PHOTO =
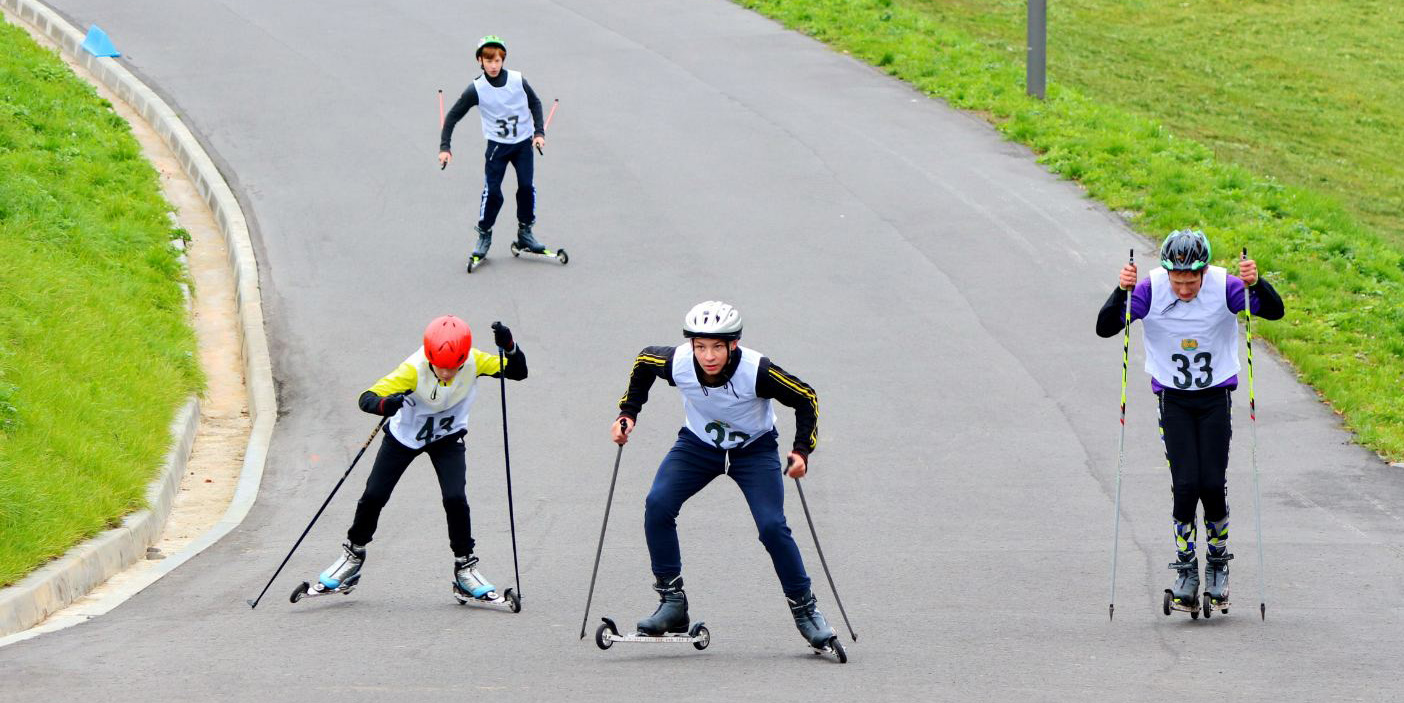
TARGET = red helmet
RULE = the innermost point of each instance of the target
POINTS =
(447, 341)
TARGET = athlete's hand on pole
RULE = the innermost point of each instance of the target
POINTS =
(1248, 271)
(620, 429)
(798, 466)
(538, 141)
(444, 159)
(502, 337)
(1128, 277)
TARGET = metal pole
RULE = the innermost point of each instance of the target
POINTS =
(1120, 445)
(1036, 78)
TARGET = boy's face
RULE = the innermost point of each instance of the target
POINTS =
(444, 375)
(1186, 284)
(711, 354)
(492, 65)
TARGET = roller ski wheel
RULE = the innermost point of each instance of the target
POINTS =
(1209, 605)
(557, 254)
(507, 600)
(608, 633)
(314, 590)
(834, 647)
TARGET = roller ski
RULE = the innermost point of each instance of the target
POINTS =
(480, 252)
(814, 628)
(1184, 595)
(667, 625)
(469, 586)
(341, 577)
(527, 244)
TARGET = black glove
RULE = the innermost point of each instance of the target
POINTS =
(502, 337)
(391, 404)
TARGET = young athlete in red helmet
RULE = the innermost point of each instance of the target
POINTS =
(427, 398)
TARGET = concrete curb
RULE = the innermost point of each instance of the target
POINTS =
(57, 584)
(258, 373)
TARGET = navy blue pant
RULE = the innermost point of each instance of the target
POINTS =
(689, 466)
(495, 162)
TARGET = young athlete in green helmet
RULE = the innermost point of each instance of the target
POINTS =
(512, 125)
(1188, 311)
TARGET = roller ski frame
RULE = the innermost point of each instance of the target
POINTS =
(697, 635)
(474, 262)
(506, 600)
(557, 254)
(309, 590)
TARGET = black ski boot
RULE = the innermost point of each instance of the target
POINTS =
(671, 615)
(812, 626)
(526, 242)
(484, 243)
(1184, 595)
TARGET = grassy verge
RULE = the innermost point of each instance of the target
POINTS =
(1343, 281)
(96, 352)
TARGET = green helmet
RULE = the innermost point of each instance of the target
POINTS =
(490, 40)
(1185, 250)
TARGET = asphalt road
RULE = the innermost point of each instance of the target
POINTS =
(930, 280)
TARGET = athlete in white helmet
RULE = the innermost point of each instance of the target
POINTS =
(512, 125)
(1188, 311)
(729, 427)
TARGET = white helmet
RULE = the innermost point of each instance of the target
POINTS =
(713, 319)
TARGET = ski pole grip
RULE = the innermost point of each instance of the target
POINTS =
(1132, 256)
(1245, 252)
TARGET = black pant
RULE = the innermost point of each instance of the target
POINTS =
(1196, 427)
(495, 161)
(447, 454)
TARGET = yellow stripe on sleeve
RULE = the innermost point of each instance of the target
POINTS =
(403, 378)
(486, 364)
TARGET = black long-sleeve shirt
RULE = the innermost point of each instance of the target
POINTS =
(772, 382)
(469, 98)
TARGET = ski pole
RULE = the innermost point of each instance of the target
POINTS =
(444, 165)
(1253, 425)
(253, 602)
(822, 561)
(598, 550)
(507, 460)
(1120, 446)
(546, 126)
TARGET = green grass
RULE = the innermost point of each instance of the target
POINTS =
(96, 352)
(1272, 125)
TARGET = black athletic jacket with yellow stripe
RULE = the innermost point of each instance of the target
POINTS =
(772, 382)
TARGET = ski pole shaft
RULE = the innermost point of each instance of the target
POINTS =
(1120, 445)
(824, 562)
(253, 603)
(600, 549)
(554, 104)
(1253, 433)
(507, 462)
(442, 165)
(549, 115)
